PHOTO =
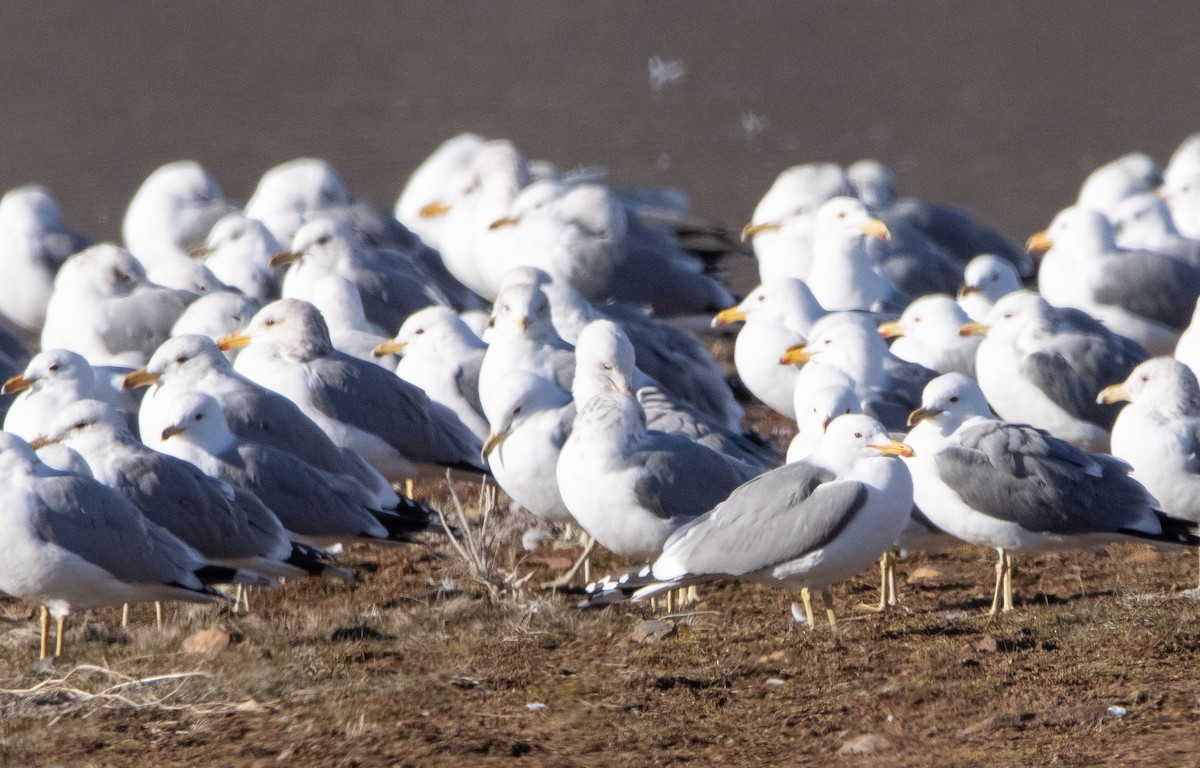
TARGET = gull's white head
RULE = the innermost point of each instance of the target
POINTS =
(103, 270)
(286, 328)
(844, 222)
(989, 276)
(933, 319)
(522, 311)
(431, 331)
(1012, 316)
(604, 361)
(825, 405)
(291, 192)
(53, 368)
(196, 418)
(1108, 185)
(187, 355)
(1078, 232)
(86, 425)
(216, 314)
(1162, 384)
(853, 437)
(519, 396)
(873, 183)
(1143, 221)
(948, 401)
(172, 212)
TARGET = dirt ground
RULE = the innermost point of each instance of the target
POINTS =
(417, 663)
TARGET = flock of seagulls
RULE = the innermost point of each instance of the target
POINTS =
(234, 391)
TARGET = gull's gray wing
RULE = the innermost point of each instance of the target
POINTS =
(663, 414)
(1077, 366)
(1023, 475)
(142, 321)
(1151, 285)
(679, 479)
(392, 286)
(103, 527)
(378, 401)
(466, 378)
(780, 516)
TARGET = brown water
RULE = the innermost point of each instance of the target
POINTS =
(1001, 107)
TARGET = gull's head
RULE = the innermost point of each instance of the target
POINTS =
(847, 220)
(303, 185)
(197, 418)
(52, 368)
(186, 355)
(237, 233)
(794, 197)
(1131, 174)
(498, 173)
(17, 457)
(522, 311)
(852, 437)
(786, 301)
(950, 399)
(847, 341)
(1011, 316)
(216, 314)
(84, 423)
(1162, 383)
(604, 360)
(825, 405)
(1142, 221)
(874, 183)
(29, 211)
(934, 318)
(323, 240)
(1078, 231)
(289, 327)
(989, 276)
(103, 270)
(518, 396)
(173, 210)
(429, 331)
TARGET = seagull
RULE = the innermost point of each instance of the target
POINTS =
(216, 314)
(193, 363)
(927, 334)
(985, 280)
(522, 337)
(843, 275)
(604, 359)
(231, 529)
(1181, 187)
(1110, 184)
(778, 315)
(393, 425)
(653, 482)
(238, 252)
(443, 356)
(446, 170)
(338, 301)
(806, 525)
(288, 194)
(1158, 433)
(847, 350)
(1043, 366)
(72, 543)
(33, 244)
(106, 309)
(677, 360)
(391, 284)
(825, 405)
(1143, 223)
(1013, 487)
(1142, 295)
(171, 213)
(55, 379)
(781, 228)
(312, 510)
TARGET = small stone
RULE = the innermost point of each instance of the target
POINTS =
(987, 645)
(925, 573)
(865, 745)
(773, 681)
(1144, 555)
(775, 657)
(208, 641)
(652, 630)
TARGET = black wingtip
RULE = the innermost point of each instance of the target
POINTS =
(317, 562)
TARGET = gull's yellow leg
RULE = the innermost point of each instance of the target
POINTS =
(1008, 571)
(58, 639)
(806, 599)
(827, 599)
(892, 599)
(584, 562)
(124, 615)
(158, 614)
(693, 596)
(45, 630)
(996, 595)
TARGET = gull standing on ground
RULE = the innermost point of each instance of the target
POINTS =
(230, 529)
(390, 423)
(653, 482)
(1142, 295)
(1158, 433)
(843, 274)
(803, 526)
(33, 245)
(1016, 488)
(72, 543)
(1043, 366)
(106, 309)
(440, 354)
(986, 279)
(522, 337)
(254, 413)
(778, 315)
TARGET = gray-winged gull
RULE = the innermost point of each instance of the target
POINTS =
(440, 354)
(216, 314)
(803, 526)
(53, 380)
(1158, 433)
(927, 333)
(825, 405)
(653, 482)
(1128, 175)
(238, 252)
(844, 275)
(72, 543)
(1015, 488)
(1143, 222)
(1142, 295)
(1043, 366)
(522, 337)
(392, 424)
(106, 309)
(254, 413)
(228, 528)
(444, 172)
(778, 315)
(985, 280)
(781, 228)
(309, 507)
(33, 245)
